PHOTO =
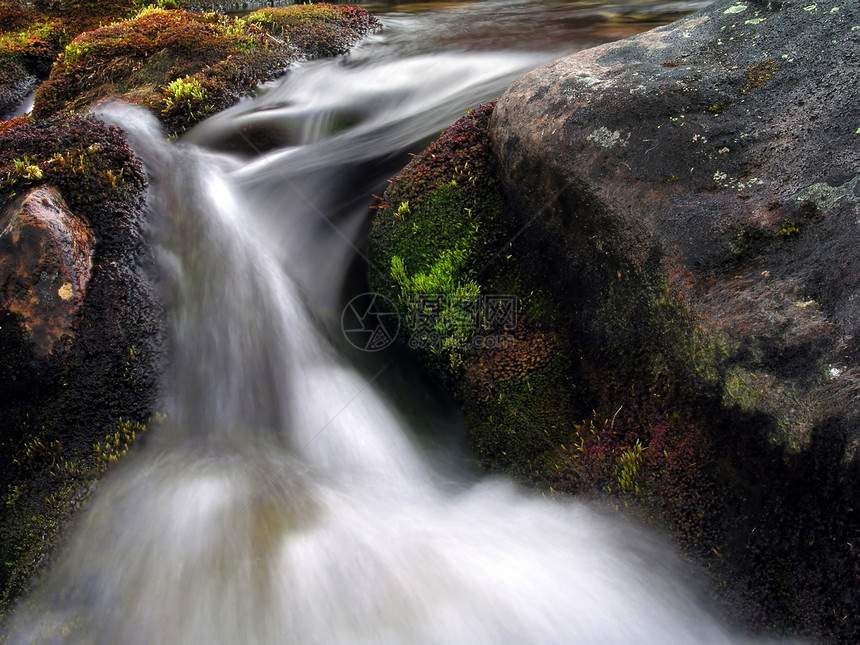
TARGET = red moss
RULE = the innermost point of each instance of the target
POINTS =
(463, 144)
(14, 15)
(17, 122)
(524, 351)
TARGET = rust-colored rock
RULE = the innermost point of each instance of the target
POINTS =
(45, 264)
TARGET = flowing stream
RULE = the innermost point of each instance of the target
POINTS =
(290, 497)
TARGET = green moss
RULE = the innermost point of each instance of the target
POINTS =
(186, 95)
(439, 297)
(629, 468)
(517, 400)
(445, 225)
(75, 50)
(150, 7)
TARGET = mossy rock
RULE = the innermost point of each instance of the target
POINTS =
(442, 248)
(435, 224)
(33, 34)
(441, 229)
(103, 382)
(186, 66)
(181, 65)
(611, 386)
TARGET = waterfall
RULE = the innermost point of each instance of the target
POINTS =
(286, 499)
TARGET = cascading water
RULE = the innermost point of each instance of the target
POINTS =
(285, 500)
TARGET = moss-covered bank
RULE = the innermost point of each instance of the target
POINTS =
(183, 66)
(33, 34)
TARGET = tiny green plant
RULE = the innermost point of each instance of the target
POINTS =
(26, 169)
(73, 51)
(115, 446)
(629, 464)
(183, 90)
(789, 228)
(159, 5)
(402, 211)
(36, 449)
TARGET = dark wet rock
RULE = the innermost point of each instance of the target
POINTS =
(45, 265)
(720, 152)
(15, 84)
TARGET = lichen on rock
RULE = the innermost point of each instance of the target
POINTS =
(705, 260)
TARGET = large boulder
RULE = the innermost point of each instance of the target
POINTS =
(695, 192)
(721, 152)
